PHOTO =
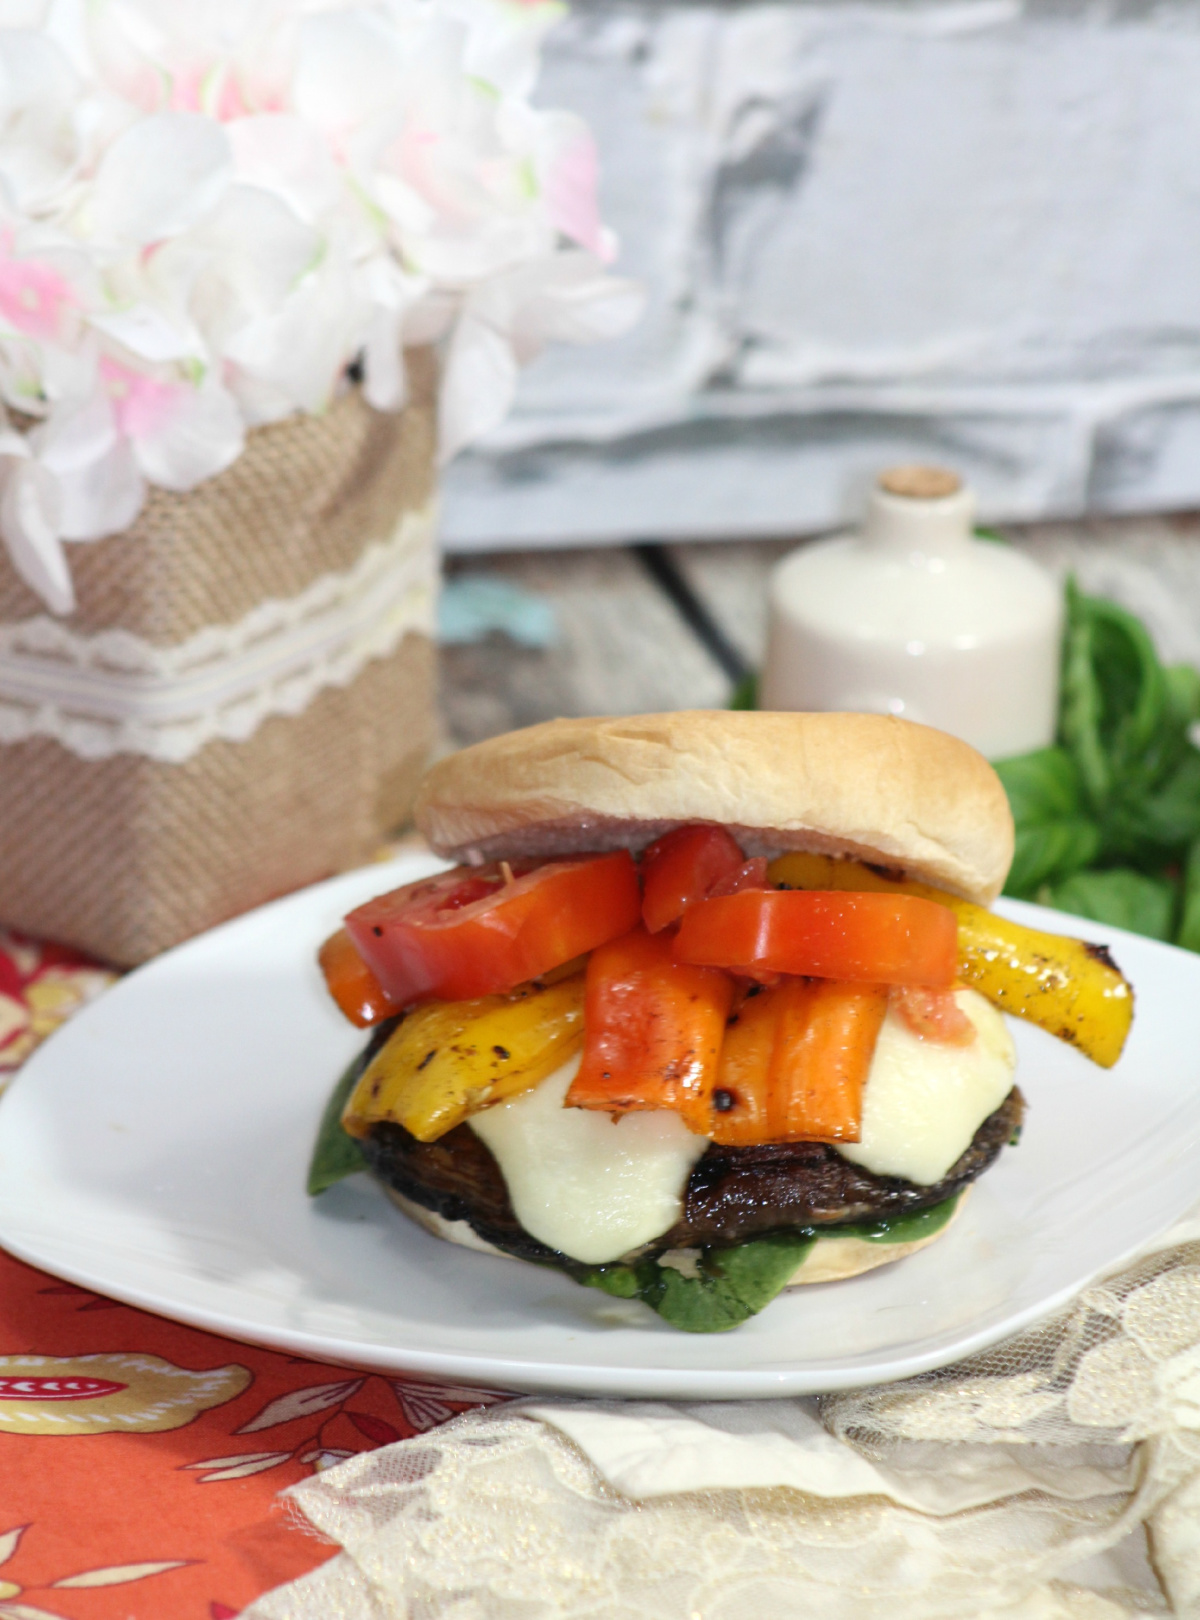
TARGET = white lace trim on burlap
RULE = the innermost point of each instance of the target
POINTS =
(116, 693)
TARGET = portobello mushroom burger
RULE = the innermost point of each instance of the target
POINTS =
(711, 1005)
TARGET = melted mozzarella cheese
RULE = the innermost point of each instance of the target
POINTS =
(924, 1100)
(583, 1183)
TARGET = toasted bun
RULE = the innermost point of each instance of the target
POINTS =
(864, 785)
(832, 1259)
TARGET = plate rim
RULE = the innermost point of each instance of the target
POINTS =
(520, 1374)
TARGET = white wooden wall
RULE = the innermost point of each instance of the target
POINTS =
(967, 231)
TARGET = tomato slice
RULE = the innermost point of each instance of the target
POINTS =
(752, 874)
(682, 867)
(934, 1015)
(652, 1028)
(351, 983)
(481, 931)
(793, 1066)
(865, 938)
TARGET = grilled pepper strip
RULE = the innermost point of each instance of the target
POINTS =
(447, 1060)
(793, 1066)
(653, 1027)
(351, 983)
(864, 938)
(1070, 989)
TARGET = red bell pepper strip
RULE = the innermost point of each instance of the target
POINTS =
(652, 1028)
(864, 938)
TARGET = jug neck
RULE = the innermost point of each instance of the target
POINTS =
(934, 525)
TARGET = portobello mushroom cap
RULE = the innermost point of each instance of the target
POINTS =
(733, 1193)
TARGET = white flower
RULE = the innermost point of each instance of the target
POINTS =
(508, 320)
(40, 96)
(210, 208)
(30, 523)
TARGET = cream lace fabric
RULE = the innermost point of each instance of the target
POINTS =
(1055, 1477)
(117, 693)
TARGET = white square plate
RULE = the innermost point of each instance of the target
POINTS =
(156, 1148)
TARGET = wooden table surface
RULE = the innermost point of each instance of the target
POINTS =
(624, 648)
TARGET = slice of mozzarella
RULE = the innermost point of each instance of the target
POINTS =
(595, 1188)
(589, 1185)
(924, 1100)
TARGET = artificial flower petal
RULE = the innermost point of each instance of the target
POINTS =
(209, 211)
(192, 434)
(478, 383)
(39, 97)
(160, 176)
(30, 514)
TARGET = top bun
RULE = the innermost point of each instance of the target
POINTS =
(863, 785)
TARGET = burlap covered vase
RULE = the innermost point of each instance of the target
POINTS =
(242, 701)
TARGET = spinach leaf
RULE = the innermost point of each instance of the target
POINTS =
(922, 1223)
(729, 1287)
(1054, 837)
(1121, 897)
(335, 1155)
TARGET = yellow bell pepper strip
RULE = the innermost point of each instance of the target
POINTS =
(448, 1059)
(1069, 988)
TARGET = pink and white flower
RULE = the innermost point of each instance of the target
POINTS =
(209, 210)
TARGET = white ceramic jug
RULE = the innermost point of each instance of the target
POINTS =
(915, 616)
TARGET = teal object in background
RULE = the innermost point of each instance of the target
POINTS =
(472, 606)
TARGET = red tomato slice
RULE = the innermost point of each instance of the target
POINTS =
(351, 983)
(652, 1028)
(865, 938)
(751, 875)
(934, 1015)
(479, 931)
(682, 867)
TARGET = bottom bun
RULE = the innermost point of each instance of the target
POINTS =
(831, 1259)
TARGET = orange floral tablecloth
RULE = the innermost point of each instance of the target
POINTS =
(140, 1461)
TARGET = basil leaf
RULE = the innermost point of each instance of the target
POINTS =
(1114, 697)
(1120, 897)
(745, 693)
(730, 1285)
(1183, 694)
(1081, 703)
(1053, 836)
(1161, 821)
(1189, 923)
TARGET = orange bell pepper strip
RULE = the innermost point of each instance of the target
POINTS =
(865, 938)
(652, 1027)
(793, 1066)
(351, 983)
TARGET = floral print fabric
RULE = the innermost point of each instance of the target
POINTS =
(140, 1461)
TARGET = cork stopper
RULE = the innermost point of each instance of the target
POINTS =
(917, 483)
